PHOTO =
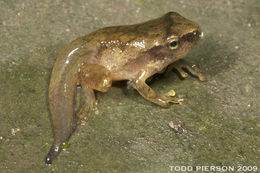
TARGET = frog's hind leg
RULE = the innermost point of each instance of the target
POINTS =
(182, 65)
(92, 77)
(96, 77)
(87, 100)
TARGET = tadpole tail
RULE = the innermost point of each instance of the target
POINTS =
(62, 91)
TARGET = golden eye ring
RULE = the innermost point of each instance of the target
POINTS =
(173, 43)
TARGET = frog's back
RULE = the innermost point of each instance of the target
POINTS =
(120, 46)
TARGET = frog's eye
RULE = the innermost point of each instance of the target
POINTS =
(173, 43)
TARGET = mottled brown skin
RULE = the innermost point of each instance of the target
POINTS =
(131, 52)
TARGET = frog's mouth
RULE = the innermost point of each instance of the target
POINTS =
(193, 36)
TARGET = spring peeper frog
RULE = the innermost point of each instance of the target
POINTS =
(131, 52)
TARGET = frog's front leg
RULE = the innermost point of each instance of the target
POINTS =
(148, 93)
(182, 65)
(92, 77)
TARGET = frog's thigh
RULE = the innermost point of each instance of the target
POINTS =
(91, 77)
(87, 100)
(95, 76)
(149, 94)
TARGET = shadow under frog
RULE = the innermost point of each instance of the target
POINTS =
(131, 52)
(216, 57)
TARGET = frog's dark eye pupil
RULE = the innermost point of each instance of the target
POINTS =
(173, 44)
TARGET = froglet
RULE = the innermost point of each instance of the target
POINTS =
(131, 52)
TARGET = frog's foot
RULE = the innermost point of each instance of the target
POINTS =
(164, 100)
(182, 65)
(175, 100)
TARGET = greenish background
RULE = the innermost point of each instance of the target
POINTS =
(221, 120)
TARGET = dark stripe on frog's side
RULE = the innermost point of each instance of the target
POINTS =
(191, 37)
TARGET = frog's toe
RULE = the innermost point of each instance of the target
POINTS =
(177, 100)
(201, 77)
(182, 73)
(166, 100)
(195, 72)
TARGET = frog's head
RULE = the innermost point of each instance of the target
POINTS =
(181, 34)
(173, 36)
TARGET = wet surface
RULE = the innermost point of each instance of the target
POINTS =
(126, 133)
